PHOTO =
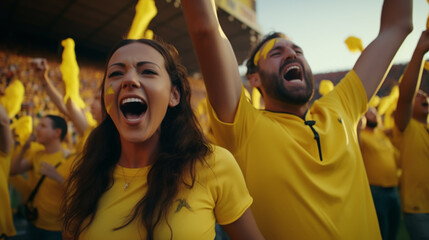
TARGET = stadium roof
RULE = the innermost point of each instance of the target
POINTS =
(96, 25)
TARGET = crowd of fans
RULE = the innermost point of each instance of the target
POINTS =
(48, 129)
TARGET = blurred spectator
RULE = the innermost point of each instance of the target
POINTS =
(6, 144)
(380, 158)
(411, 131)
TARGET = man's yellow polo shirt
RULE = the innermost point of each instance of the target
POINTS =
(297, 195)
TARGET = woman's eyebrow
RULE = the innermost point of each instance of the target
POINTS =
(117, 64)
(139, 64)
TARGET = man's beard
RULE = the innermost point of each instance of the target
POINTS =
(371, 124)
(273, 86)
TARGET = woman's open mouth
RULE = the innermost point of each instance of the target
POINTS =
(133, 108)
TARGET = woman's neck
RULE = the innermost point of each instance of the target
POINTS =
(140, 154)
(422, 118)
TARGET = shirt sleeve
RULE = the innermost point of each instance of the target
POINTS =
(351, 96)
(232, 196)
(30, 155)
(234, 135)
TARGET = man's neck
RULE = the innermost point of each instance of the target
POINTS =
(282, 107)
(53, 147)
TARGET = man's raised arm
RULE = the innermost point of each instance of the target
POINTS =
(410, 83)
(375, 61)
(216, 57)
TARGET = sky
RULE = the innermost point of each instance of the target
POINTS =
(321, 26)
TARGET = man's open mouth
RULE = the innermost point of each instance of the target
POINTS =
(293, 73)
(133, 108)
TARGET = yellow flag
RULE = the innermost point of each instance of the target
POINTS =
(389, 101)
(354, 44)
(387, 106)
(145, 12)
(13, 98)
(23, 128)
(389, 121)
(374, 101)
(148, 34)
(325, 86)
(70, 73)
(91, 121)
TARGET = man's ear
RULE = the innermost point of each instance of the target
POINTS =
(174, 97)
(254, 80)
(58, 132)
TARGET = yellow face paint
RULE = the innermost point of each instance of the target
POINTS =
(256, 58)
(268, 46)
(108, 108)
(110, 90)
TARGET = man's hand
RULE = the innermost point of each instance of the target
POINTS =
(41, 67)
(51, 172)
(27, 144)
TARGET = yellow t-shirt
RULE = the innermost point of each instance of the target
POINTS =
(379, 156)
(49, 196)
(414, 160)
(219, 194)
(296, 194)
(6, 222)
(24, 184)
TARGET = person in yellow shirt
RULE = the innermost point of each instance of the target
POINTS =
(381, 164)
(302, 163)
(6, 148)
(412, 135)
(76, 115)
(50, 132)
(147, 172)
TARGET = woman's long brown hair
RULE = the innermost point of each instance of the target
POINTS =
(182, 144)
